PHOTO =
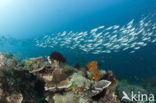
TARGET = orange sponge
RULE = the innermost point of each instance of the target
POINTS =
(95, 73)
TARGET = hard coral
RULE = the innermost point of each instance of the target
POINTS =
(59, 80)
(111, 77)
(79, 81)
(95, 73)
(98, 87)
(103, 91)
(57, 56)
(64, 84)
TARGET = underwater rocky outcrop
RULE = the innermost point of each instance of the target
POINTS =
(40, 80)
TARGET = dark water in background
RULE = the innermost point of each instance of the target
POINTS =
(121, 37)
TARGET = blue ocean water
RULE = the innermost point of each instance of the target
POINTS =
(120, 34)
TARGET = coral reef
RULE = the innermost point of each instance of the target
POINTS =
(38, 80)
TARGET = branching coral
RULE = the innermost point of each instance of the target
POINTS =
(95, 73)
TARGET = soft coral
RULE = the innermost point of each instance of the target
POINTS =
(95, 73)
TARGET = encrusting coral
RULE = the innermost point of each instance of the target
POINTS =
(95, 73)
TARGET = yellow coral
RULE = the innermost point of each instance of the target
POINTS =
(95, 73)
(92, 66)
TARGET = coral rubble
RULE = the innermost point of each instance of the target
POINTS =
(39, 80)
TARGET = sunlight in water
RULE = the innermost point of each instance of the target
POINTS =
(4, 3)
(1, 1)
